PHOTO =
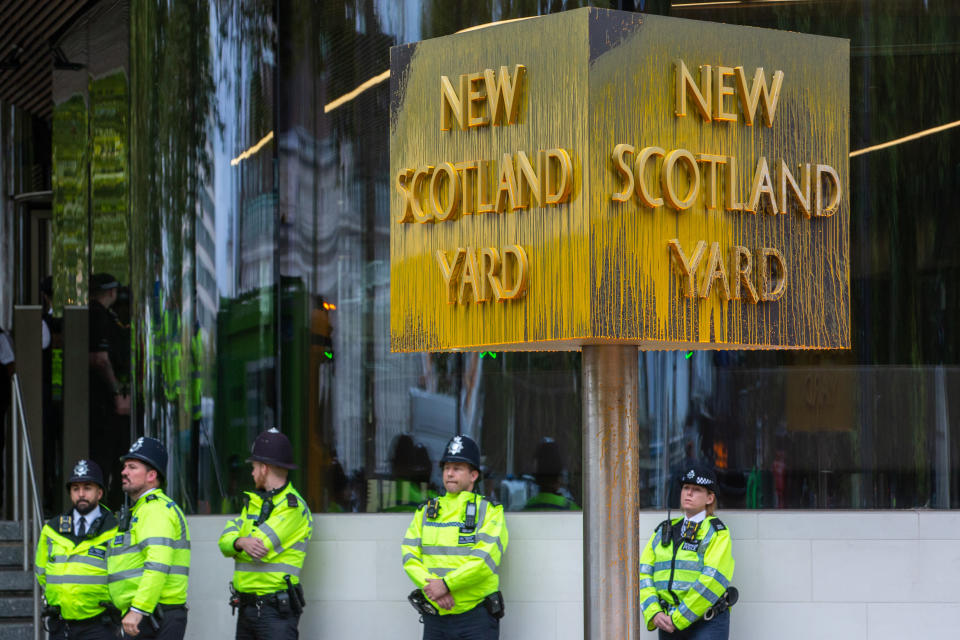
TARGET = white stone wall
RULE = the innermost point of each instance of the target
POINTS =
(802, 575)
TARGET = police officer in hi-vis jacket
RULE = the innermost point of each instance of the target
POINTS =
(268, 543)
(149, 558)
(452, 552)
(687, 567)
(71, 561)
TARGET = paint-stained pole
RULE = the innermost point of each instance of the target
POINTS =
(611, 442)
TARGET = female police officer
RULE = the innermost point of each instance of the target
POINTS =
(687, 566)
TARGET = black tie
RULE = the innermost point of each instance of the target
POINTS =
(82, 529)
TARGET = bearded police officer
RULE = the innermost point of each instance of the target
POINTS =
(71, 561)
(268, 543)
(149, 558)
(687, 566)
(452, 551)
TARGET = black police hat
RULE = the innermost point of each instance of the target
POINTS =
(149, 450)
(700, 475)
(272, 447)
(86, 471)
(461, 449)
(103, 282)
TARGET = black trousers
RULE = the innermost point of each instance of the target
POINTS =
(173, 627)
(476, 624)
(96, 629)
(266, 623)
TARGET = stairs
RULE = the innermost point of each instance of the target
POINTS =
(16, 586)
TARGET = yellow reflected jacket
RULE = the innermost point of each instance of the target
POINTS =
(284, 527)
(688, 576)
(149, 564)
(73, 572)
(466, 559)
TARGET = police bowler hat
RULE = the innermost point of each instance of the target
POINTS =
(86, 471)
(149, 450)
(461, 449)
(700, 475)
(273, 448)
(103, 282)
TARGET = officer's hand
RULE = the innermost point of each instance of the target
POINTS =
(253, 546)
(663, 621)
(445, 602)
(131, 623)
(436, 589)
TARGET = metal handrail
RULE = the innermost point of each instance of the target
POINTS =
(31, 531)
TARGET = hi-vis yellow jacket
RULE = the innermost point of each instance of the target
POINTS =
(150, 563)
(466, 559)
(688, 576)
(284, 530)
(72, 573)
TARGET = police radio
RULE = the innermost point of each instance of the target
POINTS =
(470, 520)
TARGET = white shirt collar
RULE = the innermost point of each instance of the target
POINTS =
(90, 517)
(700, 517)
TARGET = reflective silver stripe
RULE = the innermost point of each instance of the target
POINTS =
(646, 583)
(706, 593)
(682, 565)
(56, 559)
(427, 523)
(93, 561)
(126, 574)
(433, 550)
(712, 572)
(268, 531)
(411, 542)
(101, 579)
(298, 546)
(483, 512)
(178, 570)
(146, 542)
(646, 569)
(686, 613)
(461, 551)
(408, 556)
(652, 600)
(491, 540)
(230, 529)
(156, 566)
(268, 567)
(440, 571)
(681, 585)
(39, 570)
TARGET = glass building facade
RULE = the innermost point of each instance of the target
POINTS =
(235, 174)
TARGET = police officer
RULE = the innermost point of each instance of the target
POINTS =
(268, 543)
(553, 496)
(71, 561)
(149, 558)
(452, 551)
(687, 566)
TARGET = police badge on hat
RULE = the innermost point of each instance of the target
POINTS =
(456, 446)
(81, 468)
(136, 445)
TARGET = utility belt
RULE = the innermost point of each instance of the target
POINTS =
(493, 604)
(727, 600)
(52, 620)
(288, 601)
(160, 613)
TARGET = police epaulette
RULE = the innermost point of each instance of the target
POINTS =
(717, 525)
(292, 500)
(150, 497)
(493, 501)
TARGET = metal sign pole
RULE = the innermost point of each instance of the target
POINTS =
(611, 475)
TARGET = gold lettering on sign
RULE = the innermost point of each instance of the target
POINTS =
(485, 275)
(482, 98)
